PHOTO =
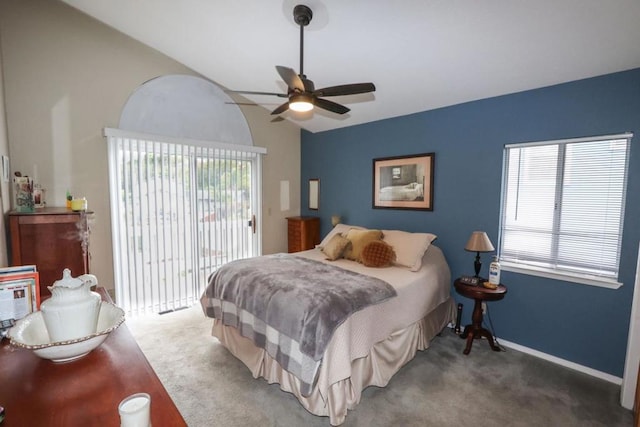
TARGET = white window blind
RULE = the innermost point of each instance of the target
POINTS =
(179, 209)
(563, 206)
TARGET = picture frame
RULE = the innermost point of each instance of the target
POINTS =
(314, 193)
(404, 182)
(38, 196)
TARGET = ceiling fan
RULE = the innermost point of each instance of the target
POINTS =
(301, 93)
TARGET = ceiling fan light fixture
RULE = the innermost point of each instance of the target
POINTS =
(301, 103)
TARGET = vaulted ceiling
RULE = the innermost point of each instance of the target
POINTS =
(420, 54)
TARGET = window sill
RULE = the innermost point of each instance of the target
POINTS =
(567, 277)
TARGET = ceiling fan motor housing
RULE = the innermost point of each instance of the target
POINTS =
(302, 15)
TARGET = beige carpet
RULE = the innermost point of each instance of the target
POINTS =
(440, 387)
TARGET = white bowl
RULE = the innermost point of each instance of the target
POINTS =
(30, 332)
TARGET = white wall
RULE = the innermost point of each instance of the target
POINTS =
(5, 196)
(67, 77)
(282, 163)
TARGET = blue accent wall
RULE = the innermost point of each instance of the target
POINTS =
(584, 324)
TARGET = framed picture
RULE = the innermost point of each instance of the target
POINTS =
(314, 193)
(403, 182)
(38, 196)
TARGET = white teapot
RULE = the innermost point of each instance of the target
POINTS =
(73, 309)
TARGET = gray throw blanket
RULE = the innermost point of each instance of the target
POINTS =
(290, 306)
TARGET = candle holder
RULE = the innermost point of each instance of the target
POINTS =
(135, 410)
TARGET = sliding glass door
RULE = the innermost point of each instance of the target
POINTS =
(179, 210)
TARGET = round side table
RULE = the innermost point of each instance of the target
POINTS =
(479, 294)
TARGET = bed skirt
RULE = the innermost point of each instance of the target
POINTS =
(334, 400)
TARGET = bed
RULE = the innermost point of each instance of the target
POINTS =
(370, 345)
(412, 191)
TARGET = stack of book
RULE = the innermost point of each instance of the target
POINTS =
(19, 294)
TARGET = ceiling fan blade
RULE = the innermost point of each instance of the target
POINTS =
(308, 84)
(281, 109)
(331, 106)
(253, 92)
(251, 104)
(350, 89)
(290, 78)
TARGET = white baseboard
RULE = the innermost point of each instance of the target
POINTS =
(566, 363)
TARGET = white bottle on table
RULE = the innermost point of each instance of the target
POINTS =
(494, 271)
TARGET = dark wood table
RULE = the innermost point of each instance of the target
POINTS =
(84, 392)
(479, 294)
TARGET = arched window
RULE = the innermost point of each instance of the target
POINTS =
(180, 206)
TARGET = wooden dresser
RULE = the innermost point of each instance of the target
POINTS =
(303, 232)
(83, 392)
(49, 239)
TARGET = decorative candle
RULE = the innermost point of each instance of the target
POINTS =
(135, 411)
(79, 204)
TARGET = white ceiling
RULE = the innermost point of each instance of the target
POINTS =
(420, 54)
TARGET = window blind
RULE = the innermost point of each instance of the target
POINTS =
(179, 209)
(563, 205)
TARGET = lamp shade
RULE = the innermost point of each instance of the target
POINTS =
(479, 242)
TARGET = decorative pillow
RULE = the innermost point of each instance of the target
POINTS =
(359, 239)
(336, 246)
(409, 247)
(338, 229)
(377, 254)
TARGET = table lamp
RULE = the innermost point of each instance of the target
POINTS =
(478, 242)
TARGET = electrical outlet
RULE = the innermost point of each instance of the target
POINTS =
(484, 308)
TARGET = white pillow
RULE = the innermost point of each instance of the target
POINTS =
(409, 247)
(338, 229)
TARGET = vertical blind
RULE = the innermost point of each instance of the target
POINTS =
(179, 209)
(563, 204)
